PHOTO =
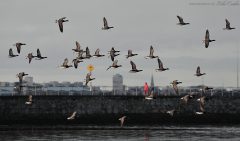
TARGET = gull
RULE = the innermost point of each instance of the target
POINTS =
(76, 61)
(172, 112)
(39, 57)
(30, 56)
(181, 21)
(11, 53)
(64, 66)
(134, 69)
(114, 65)
(96, 55)
(151, 94)
(73, 116)
(160, 64)
(130, 54)
(186, 97)
(77, 50)
(60, 23)
(30, 101)
(122, 120)
(18, 45)
(151, 54)
(198, 72)
(105, 24)
(207, 40)
(228, 26)
(19, 88)
(88, 78)
(174, 83)
(20, 76)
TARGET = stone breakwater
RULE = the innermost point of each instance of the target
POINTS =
(102, 110)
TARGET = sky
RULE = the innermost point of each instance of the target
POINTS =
(138, 24)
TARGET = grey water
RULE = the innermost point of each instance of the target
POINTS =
(152, 133)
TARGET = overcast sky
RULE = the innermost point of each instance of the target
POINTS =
(138, 24)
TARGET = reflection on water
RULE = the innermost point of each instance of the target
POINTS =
(168, 133)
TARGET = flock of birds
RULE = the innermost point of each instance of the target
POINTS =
(112, 55)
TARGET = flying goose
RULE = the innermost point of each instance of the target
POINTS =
(39, 57)
(114, 65)
(20, 76)
(181, 21)
(174, 83)
(207, 40)
(76, 61)
(18, 45)
(105, 24)
(151, 54)
(122, 120)
(60, 23)
(198, 73)
(151, 94)
(30, 101)
(187, 97)
(11, 53)
(172, 112)
(112, 50)
(112, 55)
(88, 78)
(19, 88)
(77, 50)
(201, 105)
(228, 26)
(97, 54)
(160, 64)
(80, 57)
(88, 56)
(204, 90)
(130, 54)
(64, 66)
(73, 116)
(134, 69)
(30, 56)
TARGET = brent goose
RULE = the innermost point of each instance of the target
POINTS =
(160, 64)
(11, 53)
(201, 105)
(151, 54)
(130, 54)
(18, 45)
(181, 21)
(97, 54)
(174, 83)
(228, 26)
(76, 61)
(172, 112)
(39, 57)
(77, 50)
(19, 88)
(105, 24)
(112, 55)
(207, 40)
(88, 56)
(60, 23)
(134, 69)
(187, 97)
(112, 50)
(64, 66)
(114, 65)
(73, 116)
(88, 78)
(151, 94)
(20, 76)
(122, 120)
(30, 56)
(30, 101)
(198, 73)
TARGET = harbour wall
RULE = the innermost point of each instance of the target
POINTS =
(108, 109)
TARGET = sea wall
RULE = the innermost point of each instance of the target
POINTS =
(100, 109)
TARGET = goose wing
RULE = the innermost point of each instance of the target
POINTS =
(175, 88)
(74, 114)
(80, 54)
(10, 52)
(185, 98)
(151, 51)
(112, 55)
(105, 22)
(203, 91)
(38, 53)
(133, 65)
(206, 43)
(18, 45)
(97, 52)
(202, 104)
(77, 46)
(198, 70)
(207, 35)
(65, 62)
(60, 24)
(180, 19)
(87, 51)
(19, 89)
(30, 57)
(129, 52)
(227, 24)
(151, 93)
(171, 112)
(75, 63)
(193, 92)
(160, 64)
(115, 63)
(30, 97)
